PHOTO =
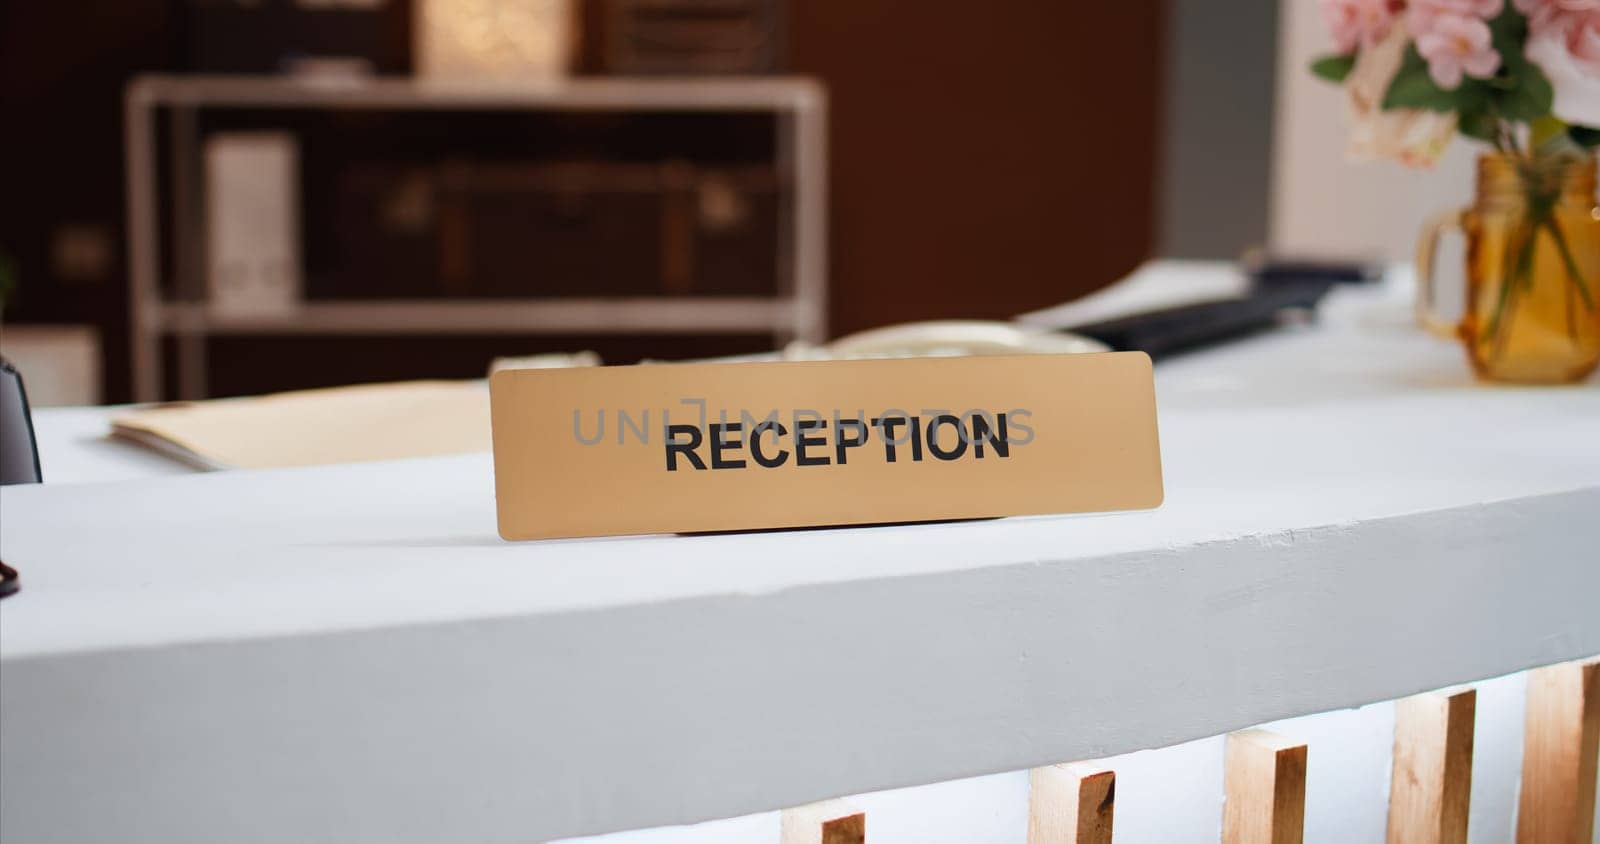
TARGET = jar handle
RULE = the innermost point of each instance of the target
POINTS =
(1426, 247)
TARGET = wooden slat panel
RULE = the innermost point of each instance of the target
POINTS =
(1431, 787)
(1561, 739)
(1265, 783)
(1070, 804)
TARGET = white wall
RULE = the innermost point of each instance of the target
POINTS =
(1324, 204)
(60, 364)
(1217, 133)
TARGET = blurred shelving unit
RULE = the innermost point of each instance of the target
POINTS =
(796, 311)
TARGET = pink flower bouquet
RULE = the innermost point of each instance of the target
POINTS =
(1523, 76)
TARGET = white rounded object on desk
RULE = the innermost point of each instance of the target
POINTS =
(959, 337)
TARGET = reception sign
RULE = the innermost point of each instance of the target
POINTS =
(706, 447)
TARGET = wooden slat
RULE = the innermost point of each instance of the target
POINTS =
(1070, 804)
(1265, 785)
(829, 822)
(1431, 787)
(1561, 739)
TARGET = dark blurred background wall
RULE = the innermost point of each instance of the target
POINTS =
(62, 70)
(985, 159)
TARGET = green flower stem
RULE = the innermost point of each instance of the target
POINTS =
(1572, 265)
(1517, 274)
(1519, 249)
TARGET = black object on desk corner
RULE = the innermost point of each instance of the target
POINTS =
(19, 451)
(1276, 286)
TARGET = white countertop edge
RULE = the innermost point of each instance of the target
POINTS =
(548, 726)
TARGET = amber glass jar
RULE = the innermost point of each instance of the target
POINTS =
(1533, 270)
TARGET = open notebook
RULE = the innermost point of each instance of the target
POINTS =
(317, 427)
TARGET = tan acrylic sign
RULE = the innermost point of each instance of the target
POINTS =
(707, 447)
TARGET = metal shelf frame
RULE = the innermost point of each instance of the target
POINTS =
(799, 311)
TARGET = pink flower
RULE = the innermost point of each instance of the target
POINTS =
(1360, 23)
(1414, 137)
(1564, 40)
(1456, 45)
(1547, 15)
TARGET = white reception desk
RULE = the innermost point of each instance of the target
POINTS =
(351, 653)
